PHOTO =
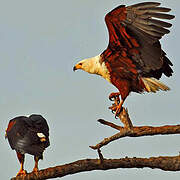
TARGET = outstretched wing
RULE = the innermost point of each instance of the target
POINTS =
(134, 33)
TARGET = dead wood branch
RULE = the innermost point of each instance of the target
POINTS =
(129, 131)
(164, 163)
(136, 132)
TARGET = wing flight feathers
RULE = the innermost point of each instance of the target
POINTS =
(145, 5)
(147, 17)
(134, 31)
(141, 16)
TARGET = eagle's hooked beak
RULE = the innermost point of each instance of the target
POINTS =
(74, 68)
(77, 66)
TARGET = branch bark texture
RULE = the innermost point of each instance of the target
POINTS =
(136, 132)
(133, 131)
(165, 163)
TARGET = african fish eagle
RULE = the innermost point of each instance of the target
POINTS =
(28, 135)
(133, 60)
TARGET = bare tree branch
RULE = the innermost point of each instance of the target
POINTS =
(165, 163)
(129, 131)
(136, 132)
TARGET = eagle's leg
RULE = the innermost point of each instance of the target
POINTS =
(118, 109)
(117, 106)
(21, 160)
(36, 159)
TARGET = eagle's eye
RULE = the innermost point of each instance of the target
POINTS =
(80, 64)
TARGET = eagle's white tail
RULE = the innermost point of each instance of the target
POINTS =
(153, 85)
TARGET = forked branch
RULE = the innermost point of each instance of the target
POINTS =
(163, 163)
(132, 131)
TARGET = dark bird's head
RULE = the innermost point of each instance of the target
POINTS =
(39, 122)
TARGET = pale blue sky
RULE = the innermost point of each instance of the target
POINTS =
(40, 41)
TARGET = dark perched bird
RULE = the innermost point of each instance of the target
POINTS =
(28, 135)
(133, 60)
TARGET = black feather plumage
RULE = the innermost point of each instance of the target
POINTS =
(22, 134)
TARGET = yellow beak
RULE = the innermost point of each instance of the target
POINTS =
(77, 66)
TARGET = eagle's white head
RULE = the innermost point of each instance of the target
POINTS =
(93, 66)
(90, 65)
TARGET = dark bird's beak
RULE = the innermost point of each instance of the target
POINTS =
(6, 135)
(74, 68)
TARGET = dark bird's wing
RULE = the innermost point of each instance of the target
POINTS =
(134, 32)
(17, 128)
(24, 136)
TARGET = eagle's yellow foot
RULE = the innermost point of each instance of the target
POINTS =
(116, 109)
(119, 109)
(21, 172)
(113, 108)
